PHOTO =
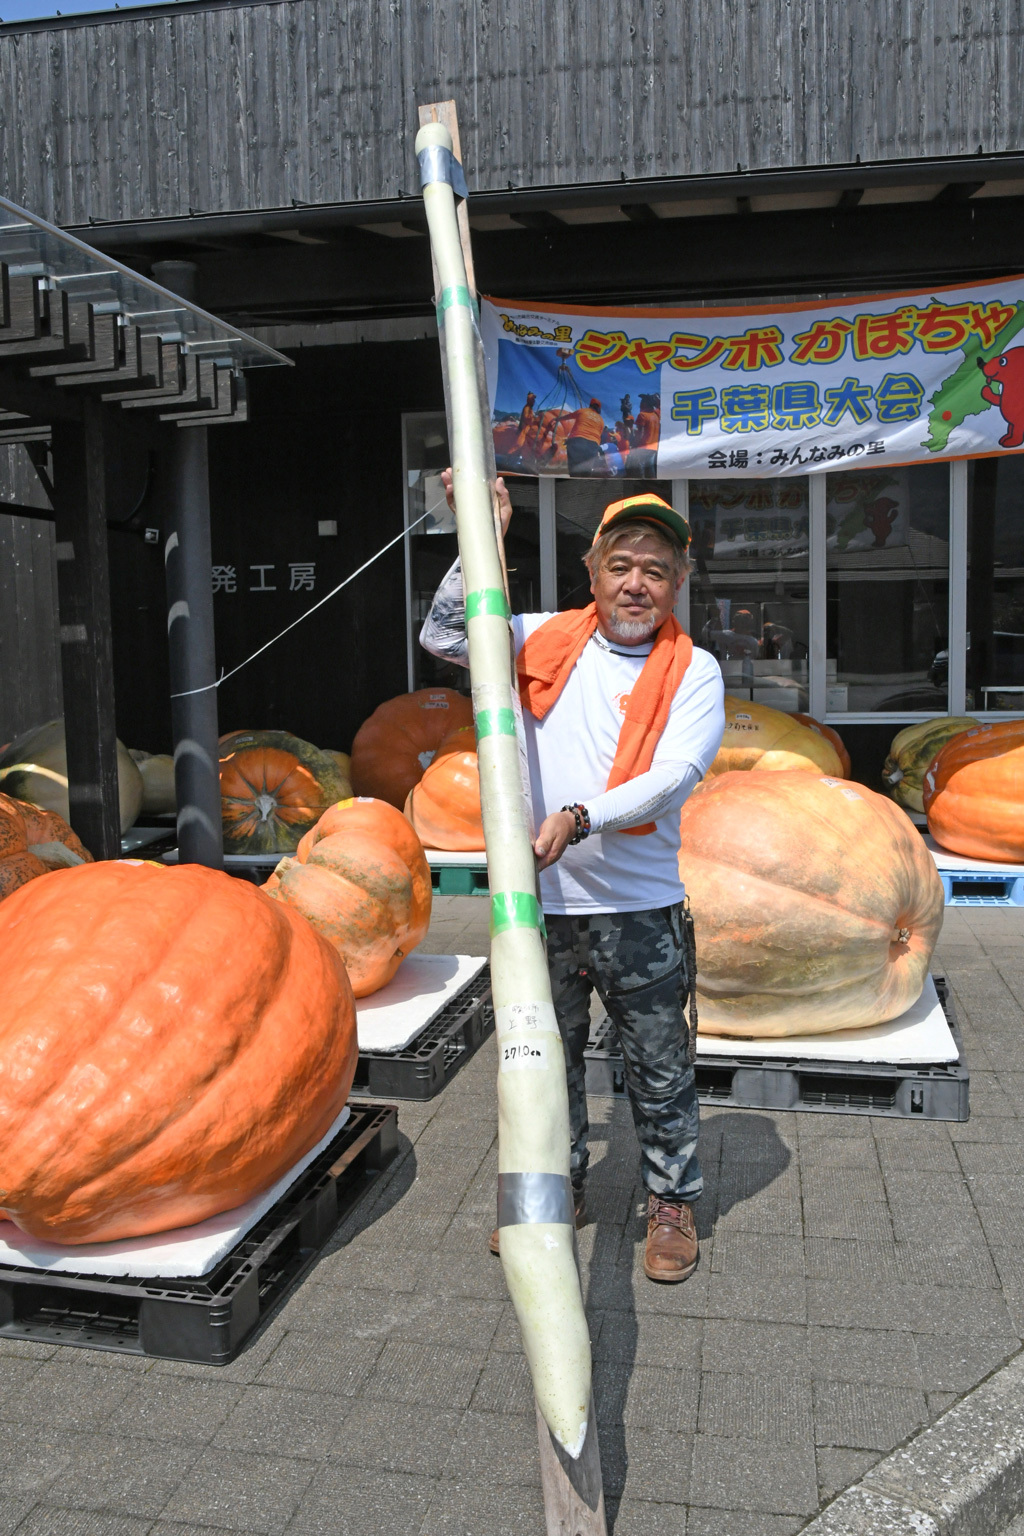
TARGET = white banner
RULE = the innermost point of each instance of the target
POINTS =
(656, 394)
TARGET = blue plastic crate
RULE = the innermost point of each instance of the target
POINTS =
(459, 880)
(985, 888)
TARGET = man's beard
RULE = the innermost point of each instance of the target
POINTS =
(632, 629)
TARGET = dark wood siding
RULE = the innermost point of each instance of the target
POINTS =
(253, 105)
(324, 443)
(30, 686)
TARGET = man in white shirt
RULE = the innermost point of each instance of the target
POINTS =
(623, 717)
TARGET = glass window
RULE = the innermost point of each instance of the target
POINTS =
(888, 589)
(995, 584)
(433, 546)
(579, 508)
(749, 588)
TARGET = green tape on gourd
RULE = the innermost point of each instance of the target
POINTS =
(456, 295)
(495, 722)
(489, 600)
(515, 909)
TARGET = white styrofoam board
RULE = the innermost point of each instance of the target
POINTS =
(919, 1037)
(945, 860)
(387, 1020)
(440, 858)
(238, 860)
(184, 1251)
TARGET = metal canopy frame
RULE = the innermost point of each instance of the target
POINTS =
(75, 321)
(82, 338)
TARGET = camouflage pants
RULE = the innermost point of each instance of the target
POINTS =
(637, 963)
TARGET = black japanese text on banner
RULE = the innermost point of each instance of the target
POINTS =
(656, 393)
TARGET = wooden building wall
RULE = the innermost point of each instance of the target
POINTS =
(254, 105)
(30, 683)
(323, 443)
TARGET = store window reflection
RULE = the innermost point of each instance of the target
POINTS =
(995, 584)
(433, 544)
(749, 589)
(888, 589)
(579, 507)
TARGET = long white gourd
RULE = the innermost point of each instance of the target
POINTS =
(535, 1204)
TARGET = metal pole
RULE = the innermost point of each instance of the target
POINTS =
(681, 503)
(817, 659)
(190, 633)
(956, 699)
(548, 530)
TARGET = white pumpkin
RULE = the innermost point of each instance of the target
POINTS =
(35, 767)
(158, 797)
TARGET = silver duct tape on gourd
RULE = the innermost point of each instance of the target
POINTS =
(535, 1197)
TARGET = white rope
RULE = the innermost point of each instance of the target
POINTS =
(188, 692)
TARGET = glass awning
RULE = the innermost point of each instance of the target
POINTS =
(74, 318)
(29, 246)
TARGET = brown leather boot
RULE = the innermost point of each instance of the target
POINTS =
(581, 1220)
(672, 1253)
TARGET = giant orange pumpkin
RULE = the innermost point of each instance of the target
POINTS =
(444, 807)
(974, 793)
(768, 740)
(273, 788)
(31, 842)
(816, 904)
(361, 878)
(171, 1043)
(830, 736)
(398, 742)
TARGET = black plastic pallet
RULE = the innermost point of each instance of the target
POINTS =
(748, 1081)
(422, 1068)
(208, 1319)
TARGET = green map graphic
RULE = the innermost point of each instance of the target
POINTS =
(959, 396)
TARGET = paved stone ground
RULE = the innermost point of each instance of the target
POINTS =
(858, 1275)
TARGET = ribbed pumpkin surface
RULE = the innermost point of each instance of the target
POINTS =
(171, 1043)
(361, 878)
(31, 842)
(13, 838)
(767, 740)
(274, 787)
(17, 869)
(831, 736)
(974, 793)
(816, 904)
(444, 807)
(912, 752)
(49, 835)
(399, 740)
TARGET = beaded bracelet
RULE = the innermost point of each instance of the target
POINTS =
(582, 818)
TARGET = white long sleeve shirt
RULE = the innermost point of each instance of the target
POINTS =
(571, 752)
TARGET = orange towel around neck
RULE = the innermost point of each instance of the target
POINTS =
(551, 652)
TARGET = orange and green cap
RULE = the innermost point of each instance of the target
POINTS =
(647, 508)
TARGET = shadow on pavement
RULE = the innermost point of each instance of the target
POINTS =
(742, 1154)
